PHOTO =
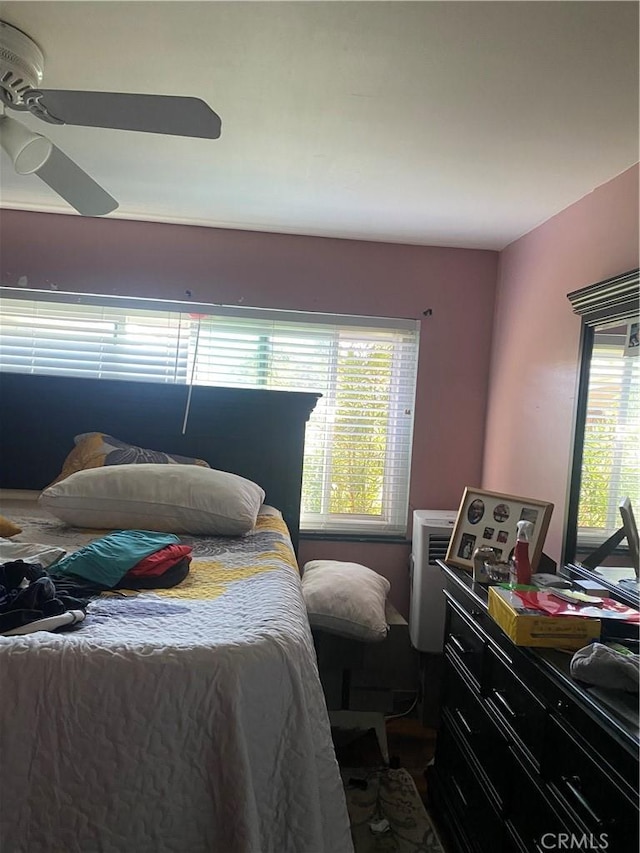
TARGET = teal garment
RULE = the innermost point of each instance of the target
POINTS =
(106, 561)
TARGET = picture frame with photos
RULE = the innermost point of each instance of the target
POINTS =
(490, 519)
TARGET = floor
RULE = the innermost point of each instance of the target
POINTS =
(411, 746)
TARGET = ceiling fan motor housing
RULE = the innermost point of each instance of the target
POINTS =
(21, 65)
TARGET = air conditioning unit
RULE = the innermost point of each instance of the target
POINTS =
(431, 533)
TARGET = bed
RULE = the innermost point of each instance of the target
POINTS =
(187, 719)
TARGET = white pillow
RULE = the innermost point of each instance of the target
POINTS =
(166, 498)
(345, 598)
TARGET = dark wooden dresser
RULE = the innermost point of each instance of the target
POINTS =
(526, 758)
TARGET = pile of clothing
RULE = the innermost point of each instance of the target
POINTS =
(29, 601)
(125, 559)
(608, 665)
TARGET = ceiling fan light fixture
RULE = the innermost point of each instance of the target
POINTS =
(21, 72)
(29, 151)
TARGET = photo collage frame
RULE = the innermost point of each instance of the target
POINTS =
(490, 519)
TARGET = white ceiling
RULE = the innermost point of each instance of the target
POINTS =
(435, 123)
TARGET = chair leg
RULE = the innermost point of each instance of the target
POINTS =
(381, 734)
(346, 688)
(360, 720)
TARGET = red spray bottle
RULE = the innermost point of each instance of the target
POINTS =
(521, 552)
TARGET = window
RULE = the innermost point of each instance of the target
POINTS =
(611, 453)
(606, 462)
(358, 444)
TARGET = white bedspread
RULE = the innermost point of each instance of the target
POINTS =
(170, 723)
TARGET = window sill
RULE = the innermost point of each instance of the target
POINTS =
(328, 536)
(584, 550)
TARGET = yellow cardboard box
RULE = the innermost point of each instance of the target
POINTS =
(527, 628)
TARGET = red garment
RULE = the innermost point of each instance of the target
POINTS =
(158, 562)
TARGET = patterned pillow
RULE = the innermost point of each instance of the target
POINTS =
(95, 449)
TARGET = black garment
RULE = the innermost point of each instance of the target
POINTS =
(38, 599)
(77, 587)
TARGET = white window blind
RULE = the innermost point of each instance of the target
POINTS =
(96, 341)
(358, 441)
(611, 454)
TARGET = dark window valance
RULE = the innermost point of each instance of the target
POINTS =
(615, 298)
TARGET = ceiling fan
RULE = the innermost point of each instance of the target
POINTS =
(21, 72)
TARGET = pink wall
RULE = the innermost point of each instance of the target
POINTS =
(534, 366)
(534, 354)
(307, 273)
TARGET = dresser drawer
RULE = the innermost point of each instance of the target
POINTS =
(618, 759)
(515, 705)
(463, 640)
(511, 842)
(481, 735)
(465, 793)
(585, 788)
(534, 821)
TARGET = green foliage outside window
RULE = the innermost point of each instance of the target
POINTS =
(611, 449)
(357, 436)
(360, 447)
(597, 468)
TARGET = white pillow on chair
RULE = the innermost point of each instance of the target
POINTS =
(346, 598)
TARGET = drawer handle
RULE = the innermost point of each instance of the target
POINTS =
(460, 646)
(454, 782)
(465, 725)
(572, 784)
(505, 704)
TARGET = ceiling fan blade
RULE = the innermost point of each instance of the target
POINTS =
(169, 114)
(75, 186)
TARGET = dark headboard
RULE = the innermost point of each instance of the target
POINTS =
(258, 434)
